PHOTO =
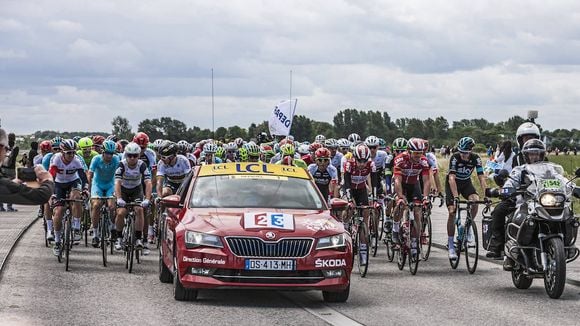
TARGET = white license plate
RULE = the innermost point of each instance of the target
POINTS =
(270, 264)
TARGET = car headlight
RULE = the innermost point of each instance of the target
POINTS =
(333, 241)
(551, 200)
(196, 239)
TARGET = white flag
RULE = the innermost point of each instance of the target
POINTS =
(281, 118)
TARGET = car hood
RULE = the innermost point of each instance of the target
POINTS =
(246, 222)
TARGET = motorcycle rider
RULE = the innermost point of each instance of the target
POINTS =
(525, 132)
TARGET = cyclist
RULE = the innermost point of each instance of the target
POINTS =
(132, 183)
(458, 181)
(360, 174)
(287, 152)
(86, 151)
(101, 177)
(208, 154)
(319, 139)
(324, 174)
(173, 168)
(98, 141)
(434, 170)
(253, 151)
(69, 177)
(408, 167)
(45, 148)
(379, 157)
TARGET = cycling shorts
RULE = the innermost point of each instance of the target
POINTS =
(61, 190)
(412, 192)
(360, 196)
(102, 190)
(132, 194)
(465, 188)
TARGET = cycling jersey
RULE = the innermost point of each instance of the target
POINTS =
(46, 160)
(37, 160)
(380, 159)
(432, 160)
(148, 157)
(296, 162)
(278, 157)
(307, 158)
(176, 172)
(336, 159)
(192, 159)
(463, 169)
(104, 173)
(67, 172)
(215, 160)
(356, 177)
(409, 170)
(132, 177)
(323, 179)
(87, 159)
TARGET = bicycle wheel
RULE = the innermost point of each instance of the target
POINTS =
(381, 224)
(373, 231)
(86, 225)
(67, 241)
(131, 250)
(362, 257)
(403, 249)
(413, 258)
(426, 238)
(45, 227)
(104, 230)
(471, 246)
(390, 246)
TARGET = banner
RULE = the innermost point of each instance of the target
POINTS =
(281, 118)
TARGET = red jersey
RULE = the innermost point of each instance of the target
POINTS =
(307, 158)
(359, 176)
(410, 171)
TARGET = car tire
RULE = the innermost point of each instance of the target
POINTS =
(179, 292)
(165, 275)
(341, 296)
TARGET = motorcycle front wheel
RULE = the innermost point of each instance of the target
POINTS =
(555, 274)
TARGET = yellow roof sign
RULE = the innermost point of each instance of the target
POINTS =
(248, 168)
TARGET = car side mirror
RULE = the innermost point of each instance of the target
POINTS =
(173, 201)
(337, 204)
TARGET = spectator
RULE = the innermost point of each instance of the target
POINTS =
(31, 154)
(9, 166)
(18, 193)
(505, 155)
(24, 160)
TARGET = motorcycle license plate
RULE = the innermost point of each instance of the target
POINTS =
(552, 184)
(270, 264)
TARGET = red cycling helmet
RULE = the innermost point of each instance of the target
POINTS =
(362, 152)
(314, 147)
(322, 153)
(141, 139)
(46, 146)
(416, 145)
(98, 140)
(287, 160)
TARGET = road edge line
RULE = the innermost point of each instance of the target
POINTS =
(13, 246)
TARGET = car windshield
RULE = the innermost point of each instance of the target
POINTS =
(243, 191)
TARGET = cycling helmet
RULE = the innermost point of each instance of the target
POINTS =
(68, 145)
(319, 139)
(353, 138)
(262, 137)
(268, 151)
(416, 145)
(253, 149)
(168, 148)
(362, 152)
(343, 142)
(400, 144)
(231, 146)
(85, 142)
(132, 148)
(183, 143)
(534, 146)
(210, 148)
(45, 146)
(239, 142)
(114, 138)
(290, 138)
(286, 141)
(314, 147)
(109, 146)
(372, 141)
(322, 153)
(527, 129)
(303, 149)
(157, 143)
(98, 140)
(119, 147)
(76, 139)
(141, 139)
(382, 144)
(220, 152)
(243, 154)
(287, 160)
(181, 147)
(331, 143)
(465, 144)
(287, 149)
(56, 142)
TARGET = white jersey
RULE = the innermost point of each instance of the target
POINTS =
(176, 172)
(380, 159)
(432, 160)
(132, 177)
(66, 173)
(37, 159)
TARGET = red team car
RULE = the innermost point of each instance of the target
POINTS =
(253, 225)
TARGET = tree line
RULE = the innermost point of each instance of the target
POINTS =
(438, 130)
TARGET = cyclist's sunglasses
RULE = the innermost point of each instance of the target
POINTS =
(163, 157)
(465, 152)
(69, 152)
(132, 155)
(372, 147)
(322, 160)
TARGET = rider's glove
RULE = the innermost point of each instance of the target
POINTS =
(120, 202)
(145, 203)
(401, 201)
(425, 202)
(157, 200)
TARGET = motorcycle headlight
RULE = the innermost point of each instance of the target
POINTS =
(197, 239)
(333, 241)
(552, 200)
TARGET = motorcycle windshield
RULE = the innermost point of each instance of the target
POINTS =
(546, 177)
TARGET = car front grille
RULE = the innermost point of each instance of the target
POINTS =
(268, 277)
(256, 247)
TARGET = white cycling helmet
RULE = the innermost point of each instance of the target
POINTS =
(354, 138)
(372, 141)
(303, 149)
(319, 139)
(210, 148)
(132, 148)
(527, 129)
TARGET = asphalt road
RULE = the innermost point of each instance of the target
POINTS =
(35, 290)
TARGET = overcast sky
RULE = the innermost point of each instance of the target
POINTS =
(74, 65)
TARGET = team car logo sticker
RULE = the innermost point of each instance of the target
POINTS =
(319, 224)
(269, 221)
